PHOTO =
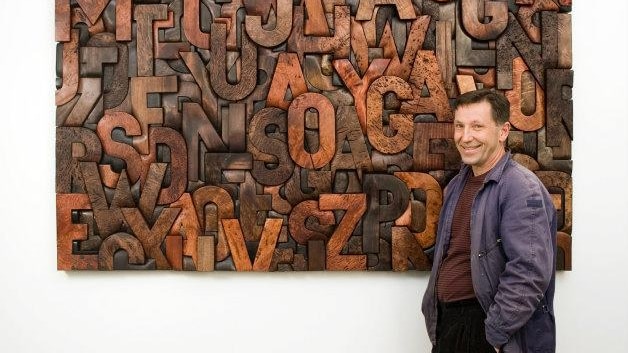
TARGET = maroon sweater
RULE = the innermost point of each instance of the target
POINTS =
(454, 277)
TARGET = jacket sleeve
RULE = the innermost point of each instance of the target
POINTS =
(527, 223)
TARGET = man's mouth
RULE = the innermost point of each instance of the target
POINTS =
(469, 148)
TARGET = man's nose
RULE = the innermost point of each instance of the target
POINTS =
(466, 134)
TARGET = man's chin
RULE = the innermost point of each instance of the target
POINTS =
(468, 160)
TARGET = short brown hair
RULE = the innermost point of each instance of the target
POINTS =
(500, 106)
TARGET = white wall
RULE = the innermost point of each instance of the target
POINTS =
(45, 310)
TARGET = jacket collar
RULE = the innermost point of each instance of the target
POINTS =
(495, 173)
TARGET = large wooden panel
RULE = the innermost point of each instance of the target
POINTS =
(286, 135)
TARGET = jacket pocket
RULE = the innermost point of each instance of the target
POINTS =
(491, 248)
(491, 261)
(540, 331)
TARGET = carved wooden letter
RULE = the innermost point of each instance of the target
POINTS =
(326, 128)
(282, 28)
(400, 123)
(355, 205)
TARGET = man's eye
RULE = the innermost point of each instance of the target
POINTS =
(458, 126)
(476, 127)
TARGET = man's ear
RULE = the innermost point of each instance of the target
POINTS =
(504, 131)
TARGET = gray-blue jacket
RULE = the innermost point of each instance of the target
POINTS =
(513, 257)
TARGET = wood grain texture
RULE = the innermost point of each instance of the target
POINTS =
(467, 54)
(254, 206)
(177, 162)
(391, 162)
(68, 176)
(525, 114)
(115, 82)
(466, 83)
(445, 53)
(117, 242)
(565, 55)
(316, 22)
(167, 50)
(126, 152)
(319, 131)
(68, 232)
(140, 88)
(272, 164)
(404, 9)
(151, 236)
(278, 202)
(123, 20)
(388, 198)
(276, 36)
(287, 75)
(338, 44)
(349, 132)
(434, 201)
(400, 124)
(198, 130)
(564, 245)
(359, 86)
(474, 23)
(559, 107)
(326, 130)
(424, 159)
(355, 206)
(174, 251)
(201, 76)
(359, 46)
(265, 249)
(191, 25)
(90, 92)
(298, 222)
(206, 249)
(144, 16)
(188, 227)
(402, 67)
(486, 76)
(93, 8)
(62, 21)
(318, 72)
(316, 255)
(562, 181)
(232, 15)
(70, 77)
(549, 39)
(515, 36)
(526, 13)
(79, 18)
(218, 64)
(107, 215)
(226, 209)
(426, 72)
(405, 247)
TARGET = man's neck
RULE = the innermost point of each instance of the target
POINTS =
(494, 160)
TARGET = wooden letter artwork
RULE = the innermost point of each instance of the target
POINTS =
(290, 135)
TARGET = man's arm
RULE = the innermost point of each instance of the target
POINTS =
(527, 239)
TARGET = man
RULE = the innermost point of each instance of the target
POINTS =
(492, 283)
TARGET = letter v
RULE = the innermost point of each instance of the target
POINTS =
(266, 248)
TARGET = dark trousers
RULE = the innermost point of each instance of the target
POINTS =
(460, 328)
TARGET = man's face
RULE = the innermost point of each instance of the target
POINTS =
(478, 138)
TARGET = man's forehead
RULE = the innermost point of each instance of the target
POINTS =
(472, 115)
(471, 120)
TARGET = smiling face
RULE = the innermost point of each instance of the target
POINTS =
(479, 139)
